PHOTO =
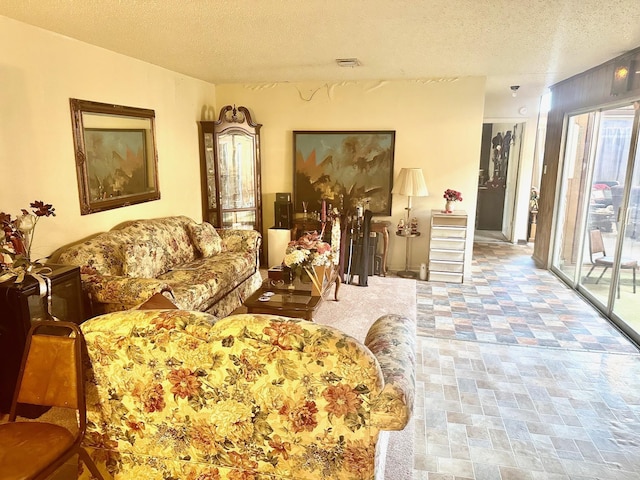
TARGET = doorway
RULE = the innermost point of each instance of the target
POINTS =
(497, 179)
(597, 243)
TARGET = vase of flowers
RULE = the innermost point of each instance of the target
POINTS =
(451, 196)
(16, 261)
(309, 256)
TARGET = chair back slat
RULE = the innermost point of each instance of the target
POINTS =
(50, 377)
(596, 244)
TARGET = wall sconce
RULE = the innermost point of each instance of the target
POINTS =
(621, 73)
(514, 90)
(621, 76)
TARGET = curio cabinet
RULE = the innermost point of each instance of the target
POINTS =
(230, 170)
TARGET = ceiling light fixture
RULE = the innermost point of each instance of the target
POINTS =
(514, 90)
(348, 62)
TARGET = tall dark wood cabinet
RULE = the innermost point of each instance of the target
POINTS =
(230, 170)
(20, 305)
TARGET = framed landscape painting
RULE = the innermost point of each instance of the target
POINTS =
(116, 158)
(346, 168)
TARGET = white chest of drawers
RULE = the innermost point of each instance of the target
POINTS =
(447, 246)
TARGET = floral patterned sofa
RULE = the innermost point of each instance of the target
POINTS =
(199, 267)
(173, 394)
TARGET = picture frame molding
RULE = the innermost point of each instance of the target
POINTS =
(116, 118)
(389, 175)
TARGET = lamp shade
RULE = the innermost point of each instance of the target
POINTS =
(410, 182)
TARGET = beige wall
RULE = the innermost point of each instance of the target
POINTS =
(438, 127)
(437, 124)
(40, 71)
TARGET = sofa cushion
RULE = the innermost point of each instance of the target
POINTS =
(171, 235)
(143, 259)
(205, 238)
(200, 283)
(105, 254)
(101, 253)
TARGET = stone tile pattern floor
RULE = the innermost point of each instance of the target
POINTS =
(518, 378)
(510, 301)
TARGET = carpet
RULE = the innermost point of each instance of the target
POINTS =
(355, 311)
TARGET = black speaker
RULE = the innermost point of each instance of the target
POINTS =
(283, 197)
(283, 211)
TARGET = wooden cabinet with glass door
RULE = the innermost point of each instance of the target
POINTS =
(230, 169)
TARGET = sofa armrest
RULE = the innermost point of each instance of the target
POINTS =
(121, 290)
(392, 339)
(240, 240)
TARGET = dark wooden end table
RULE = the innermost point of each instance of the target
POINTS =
(282, 301)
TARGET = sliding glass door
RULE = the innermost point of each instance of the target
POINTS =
(625, 306)
(571, 214)
(596, 247)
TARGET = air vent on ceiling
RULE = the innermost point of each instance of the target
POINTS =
(348, 62)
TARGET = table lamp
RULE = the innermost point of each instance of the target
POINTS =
(409, 182)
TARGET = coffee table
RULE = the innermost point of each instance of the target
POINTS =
(282, 301)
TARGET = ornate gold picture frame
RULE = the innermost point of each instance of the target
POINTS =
(116, 157)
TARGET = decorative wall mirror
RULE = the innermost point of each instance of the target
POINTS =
(116, 158)
(230, 166)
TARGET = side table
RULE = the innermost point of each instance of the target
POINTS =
(280, 301)
(406, 273)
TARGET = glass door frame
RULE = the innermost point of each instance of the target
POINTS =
(621, 216)
(622, 219)
(560, 211)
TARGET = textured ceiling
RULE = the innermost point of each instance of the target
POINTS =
(532, 43)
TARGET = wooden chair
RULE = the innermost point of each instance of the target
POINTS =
(50, 376)
(599, 258)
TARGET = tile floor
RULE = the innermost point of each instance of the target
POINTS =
(518, 378)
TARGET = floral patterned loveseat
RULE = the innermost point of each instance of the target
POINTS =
(199, 267)
(173, 394)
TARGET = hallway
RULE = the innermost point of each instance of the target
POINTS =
(519, 378)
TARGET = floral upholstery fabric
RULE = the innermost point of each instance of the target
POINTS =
(121, 291)
(143, 259)
(239, 240)
(170, 233)
(125, 266)
(198, 284)
(392, 340)
(171, 394)
(205, 238)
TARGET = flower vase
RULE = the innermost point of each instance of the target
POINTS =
(318, 281)
(449, 206)
(314, 277)
(288, 275)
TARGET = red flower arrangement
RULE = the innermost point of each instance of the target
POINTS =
(452, 195)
